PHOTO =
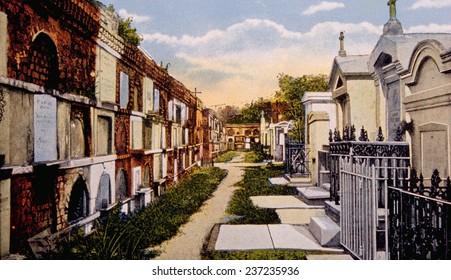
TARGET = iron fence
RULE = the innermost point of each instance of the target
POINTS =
(420, 218)
(388, 153)
(296, 158)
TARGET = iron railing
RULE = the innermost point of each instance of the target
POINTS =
(389, 154)
(420, 218)
(364, 182)
(323, 168)
(296, 158)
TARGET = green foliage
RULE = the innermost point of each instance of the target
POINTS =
(251, 112)
(125, 29)
(228, 113)
(253, 157)
(256, 155)
(128, 32)
(228, 156)
(291, 90)
(255, 183)
(258, 255)
(123, 237)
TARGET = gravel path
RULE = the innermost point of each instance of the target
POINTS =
(187, 244)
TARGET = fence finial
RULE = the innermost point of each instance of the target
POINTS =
(380, 136)
(421, 187)
(363, 135)
(346, 133)
(352, 137)
(330, 136)
(398, 137)
(435, 181)
(337, 137)
(413, 180)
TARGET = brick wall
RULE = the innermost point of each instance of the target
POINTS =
(32, 205)
(71, 27)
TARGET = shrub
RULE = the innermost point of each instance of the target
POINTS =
(256, 156)
(228, 156)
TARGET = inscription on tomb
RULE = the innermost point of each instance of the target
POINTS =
(45, 128)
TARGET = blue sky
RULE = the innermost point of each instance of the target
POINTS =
(233, 50)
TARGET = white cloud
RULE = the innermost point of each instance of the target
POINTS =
(323, 6)
(430, 28)
(136, 18)
(242, 62)
(430, 4)
(230, 34)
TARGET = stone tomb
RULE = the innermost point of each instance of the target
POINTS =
(45, 128)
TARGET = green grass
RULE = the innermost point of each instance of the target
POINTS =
(257, 255)
(125, 237)
(253, 157)
(226, 157)
(255, 183)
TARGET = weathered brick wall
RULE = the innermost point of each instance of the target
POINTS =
(32, 208)
(72, 26)
(136, 78)
(122, 134)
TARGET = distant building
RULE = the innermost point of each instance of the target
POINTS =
(214, 141)
(242, 136)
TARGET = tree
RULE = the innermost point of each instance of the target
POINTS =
(251, 112)
(291, 90)
(227, 113)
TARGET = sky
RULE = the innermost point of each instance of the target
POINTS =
(232, 51)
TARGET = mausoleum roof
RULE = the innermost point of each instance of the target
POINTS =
(401, 47)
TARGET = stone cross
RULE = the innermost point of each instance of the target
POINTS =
(342, 36)
(392, 5)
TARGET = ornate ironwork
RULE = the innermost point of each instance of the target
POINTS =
(345, 133)
(370, 149)
(363, 135)
(337, 137)
(399, 135)
(352, 134)
(425, 212)
(380, 136)
(330, 136)
(419, 218)
(296, 158)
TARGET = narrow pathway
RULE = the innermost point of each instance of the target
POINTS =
(187, 244)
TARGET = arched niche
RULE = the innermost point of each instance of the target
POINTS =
(121, 184)
(43, 65)
(79, 201)
(103, 199)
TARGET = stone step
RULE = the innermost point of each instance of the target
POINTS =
(298, 179)
(326, 186)
(332, 211)
(313, 195)
(326, 231)
(278, 181)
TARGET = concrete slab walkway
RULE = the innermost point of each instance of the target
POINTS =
(187, 244)
(267, 237)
